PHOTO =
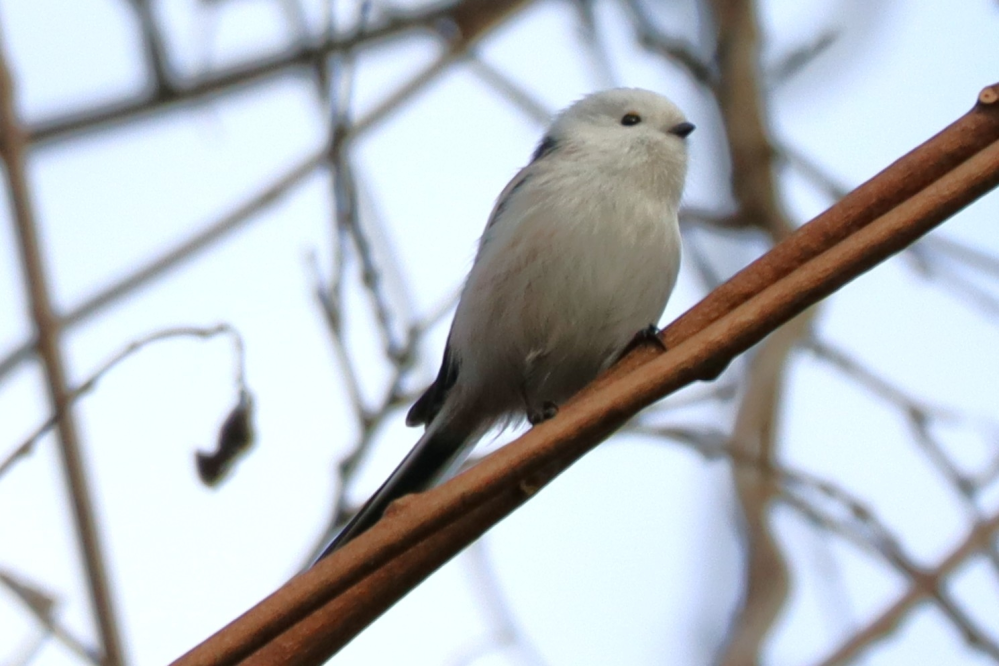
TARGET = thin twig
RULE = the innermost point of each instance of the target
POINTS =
(155, 51)
(675, 49)
(972, 257)
(594, 43)
(888, 621)
(510, 89)
(858, 371)
(211, 234)
(848, 516)
(935, 258)
(814, 173)
(391, 24)
(919, 416)
(331, 312)
(42, 607)
(405, 92)
(797, 59)
(74, 394)
(392, 399)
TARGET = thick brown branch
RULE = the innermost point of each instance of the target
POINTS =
(890, 188)
(320, 610)
(12, 150)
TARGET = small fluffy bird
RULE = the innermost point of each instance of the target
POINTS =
(579, 256)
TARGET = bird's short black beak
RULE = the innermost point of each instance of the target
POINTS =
(682, 130)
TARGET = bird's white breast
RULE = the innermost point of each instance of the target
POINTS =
(563, 281)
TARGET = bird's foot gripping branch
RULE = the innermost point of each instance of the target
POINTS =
(316, 613)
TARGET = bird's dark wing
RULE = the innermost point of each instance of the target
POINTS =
(444, 442)
(425, 409)
(439, 448)
(546, 147)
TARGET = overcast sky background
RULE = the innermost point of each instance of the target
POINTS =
(631, 557)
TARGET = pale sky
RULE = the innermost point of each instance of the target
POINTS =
(631, 557)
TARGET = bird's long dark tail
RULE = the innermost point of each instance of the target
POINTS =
(440, 448)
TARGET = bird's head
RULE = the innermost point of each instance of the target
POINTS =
(627, 128)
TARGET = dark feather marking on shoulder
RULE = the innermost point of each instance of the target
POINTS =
(546, 147)
(425, 409)
(501, 206)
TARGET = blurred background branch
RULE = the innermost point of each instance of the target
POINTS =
(369, 137)
(49, 348)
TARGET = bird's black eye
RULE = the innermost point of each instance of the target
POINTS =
(630, 119)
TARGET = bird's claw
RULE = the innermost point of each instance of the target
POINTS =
(548, 410)
(649, 334)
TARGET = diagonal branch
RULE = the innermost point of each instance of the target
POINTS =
(202, 240)
(473, 19)
(319, 611)
(42, 606)
(152, 42)
(86, 386)
(673, 49)
(979, 537)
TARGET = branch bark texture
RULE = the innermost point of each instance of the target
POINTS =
(319, 611)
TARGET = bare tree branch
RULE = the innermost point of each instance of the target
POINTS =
(88, 385)
(799, 58)
(42, 608)
(469, 19)
(982, 534)
(740, 96)
(674, 49)
(318, 611)
(920, 418)
(12, 150)
(755, 435)
(734, 420)
(175, 257)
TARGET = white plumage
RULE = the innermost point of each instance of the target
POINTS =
(580, 254)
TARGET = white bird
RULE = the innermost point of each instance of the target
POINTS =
(579, 256)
